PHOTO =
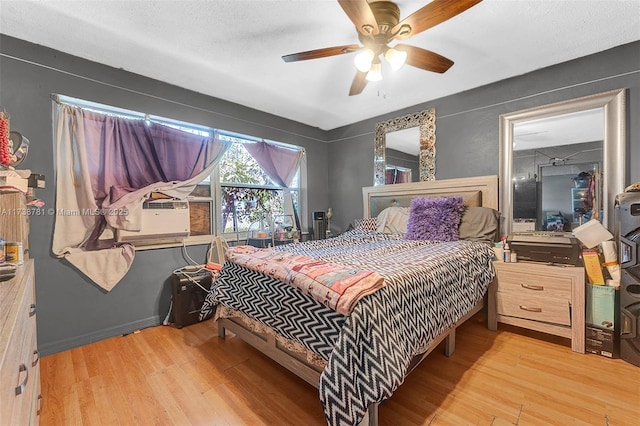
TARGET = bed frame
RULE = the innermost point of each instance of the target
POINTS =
(478, 191)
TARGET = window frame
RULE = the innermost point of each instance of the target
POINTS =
(214, 181)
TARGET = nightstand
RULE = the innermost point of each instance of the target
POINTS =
(541, 297)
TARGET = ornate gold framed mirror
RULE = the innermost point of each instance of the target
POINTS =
(425, 121)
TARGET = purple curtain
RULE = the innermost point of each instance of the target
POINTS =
(281, 164)
(126, 155)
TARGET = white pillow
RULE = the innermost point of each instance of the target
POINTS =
(393, 220)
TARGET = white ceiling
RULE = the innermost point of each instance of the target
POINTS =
(232, 49)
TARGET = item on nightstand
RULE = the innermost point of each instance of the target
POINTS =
(284, 227)
(610, 255)
(260, 229)
(506, 251)
(602, 327)
(319, 226)
(547, 247)
(498, 251)
(592, 233)
(592, 267)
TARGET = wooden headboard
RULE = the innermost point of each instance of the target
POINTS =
(475, 191)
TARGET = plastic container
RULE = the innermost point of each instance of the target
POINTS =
(2, 248)
(506, 253)
(14, 253)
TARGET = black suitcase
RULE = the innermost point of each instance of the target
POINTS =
(188, 291)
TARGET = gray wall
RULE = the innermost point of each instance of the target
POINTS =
(467, 128)
(71, 310)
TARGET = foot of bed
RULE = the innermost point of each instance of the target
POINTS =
(492, 317)
(371, 418)
(450, 343)
(221, 330)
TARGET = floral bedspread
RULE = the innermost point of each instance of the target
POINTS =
(336, 286)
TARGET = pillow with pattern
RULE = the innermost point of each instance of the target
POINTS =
(435, 218)
(366, 224)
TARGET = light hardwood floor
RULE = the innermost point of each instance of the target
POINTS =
(168, 376)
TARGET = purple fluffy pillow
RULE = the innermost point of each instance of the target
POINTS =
(434, 218)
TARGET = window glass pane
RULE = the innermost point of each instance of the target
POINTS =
(242, 206)
(296, 180)
(238, 166)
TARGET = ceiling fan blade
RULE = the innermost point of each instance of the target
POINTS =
(431, 15)
(358, 84)
(425, 59)
(361, 15)
(321, 53)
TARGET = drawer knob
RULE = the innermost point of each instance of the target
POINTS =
(532, 287)
(32, 309)
(36, 358)
(22, 386)
(527, 308)
(40, 401)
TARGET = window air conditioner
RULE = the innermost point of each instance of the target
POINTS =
(163, 221)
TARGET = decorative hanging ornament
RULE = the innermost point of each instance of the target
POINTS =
(5, 157)
(14, 147)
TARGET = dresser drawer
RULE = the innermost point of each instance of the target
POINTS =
(534, 284)
(555, 311)
(18, 341)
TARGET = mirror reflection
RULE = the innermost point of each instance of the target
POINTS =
(402, 156)
(411, 132)
(557, 171)
(562, 164)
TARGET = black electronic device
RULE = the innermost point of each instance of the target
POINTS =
(188, 291)
(627, 215)
(547, 247)
(319, 225)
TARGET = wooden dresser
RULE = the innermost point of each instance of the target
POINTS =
(20, 398)
(541, 297)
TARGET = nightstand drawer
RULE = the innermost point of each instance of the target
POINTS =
(534, 285)
(554, 311)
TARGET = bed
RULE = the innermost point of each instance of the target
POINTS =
(358, 355)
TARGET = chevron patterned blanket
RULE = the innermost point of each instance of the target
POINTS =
(337, 286)
(429, 286)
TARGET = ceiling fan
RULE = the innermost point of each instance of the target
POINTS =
(378, 23)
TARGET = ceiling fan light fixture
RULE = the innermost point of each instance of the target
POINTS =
(375, 73)
(395, 58)
(363, 60)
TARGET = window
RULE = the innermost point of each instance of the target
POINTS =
(244, 192)
(238, 193)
